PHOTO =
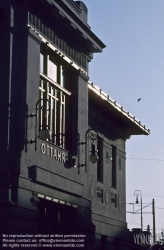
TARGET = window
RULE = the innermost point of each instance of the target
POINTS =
(54, 101)
(100, 161)
(52, 70)
(50, 66)
(57, 218)
(113, 166)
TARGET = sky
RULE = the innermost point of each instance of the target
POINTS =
(132, 67)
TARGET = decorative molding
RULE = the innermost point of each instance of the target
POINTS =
(106, 197)
(119, 202)
(107, 122)
(108, 220)
(83, 75)
(53, 199)
(100, 194)
(92, 192)
(56, 181)
(55, 39)
(33, 34)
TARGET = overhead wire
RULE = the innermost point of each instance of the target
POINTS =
(143, 159)
(140, 224)
(149, 195)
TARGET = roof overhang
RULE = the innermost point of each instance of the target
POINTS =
(111, 109)
(79, 30)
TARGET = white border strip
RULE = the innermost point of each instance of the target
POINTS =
(58, 51)
(55, 200)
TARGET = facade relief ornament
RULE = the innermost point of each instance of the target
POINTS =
(106, 197)
(92, 190)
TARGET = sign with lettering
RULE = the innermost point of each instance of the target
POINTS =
(52, 152)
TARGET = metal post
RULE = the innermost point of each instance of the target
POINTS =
(141, 215)
(137, 194)
(148, 228)
(153, 212)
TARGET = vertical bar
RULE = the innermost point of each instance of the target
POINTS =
(87, 145)
(50, 109)
(47, 106)
(55, 118)
(60, 74)
(63, 121)
(114, 173)
(52, 115)
(47, 65)
(60, 118)
(153, 212)
(40, 104)
(141, 216)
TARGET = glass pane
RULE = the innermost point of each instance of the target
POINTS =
(50, 115)
(41, 63)
(63, 125)
(49, 89)
(52, 71)
(63, 99)
(62, 79)
(57, 94)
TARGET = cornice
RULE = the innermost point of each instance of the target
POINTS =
(83, 75)
(106, 121)
(34, 34)
(70, 18)
(119, 110)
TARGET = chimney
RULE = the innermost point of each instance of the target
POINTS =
(84, 13)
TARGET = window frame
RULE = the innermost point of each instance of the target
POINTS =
(114, 166)
(100, 163)
(52, 94)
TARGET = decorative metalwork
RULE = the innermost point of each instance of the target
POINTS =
(138, 193)
(91, 134)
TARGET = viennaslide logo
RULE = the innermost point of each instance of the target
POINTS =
(142, 239)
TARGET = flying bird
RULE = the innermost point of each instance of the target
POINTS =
(139, 99)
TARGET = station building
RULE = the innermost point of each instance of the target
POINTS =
(63, 154)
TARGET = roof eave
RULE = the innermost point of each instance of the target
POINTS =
(132, 126)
